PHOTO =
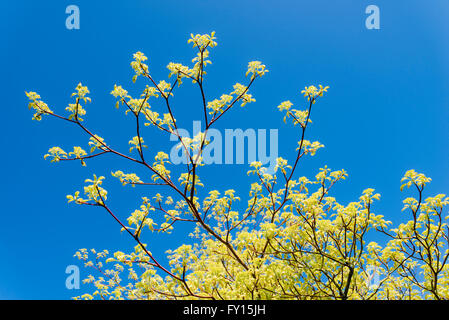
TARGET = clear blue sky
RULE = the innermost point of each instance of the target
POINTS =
(386, 111)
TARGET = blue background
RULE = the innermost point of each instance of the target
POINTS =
(386, 110)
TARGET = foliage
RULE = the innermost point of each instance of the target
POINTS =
(293, 240)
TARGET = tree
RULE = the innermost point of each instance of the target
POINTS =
(293, 240)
